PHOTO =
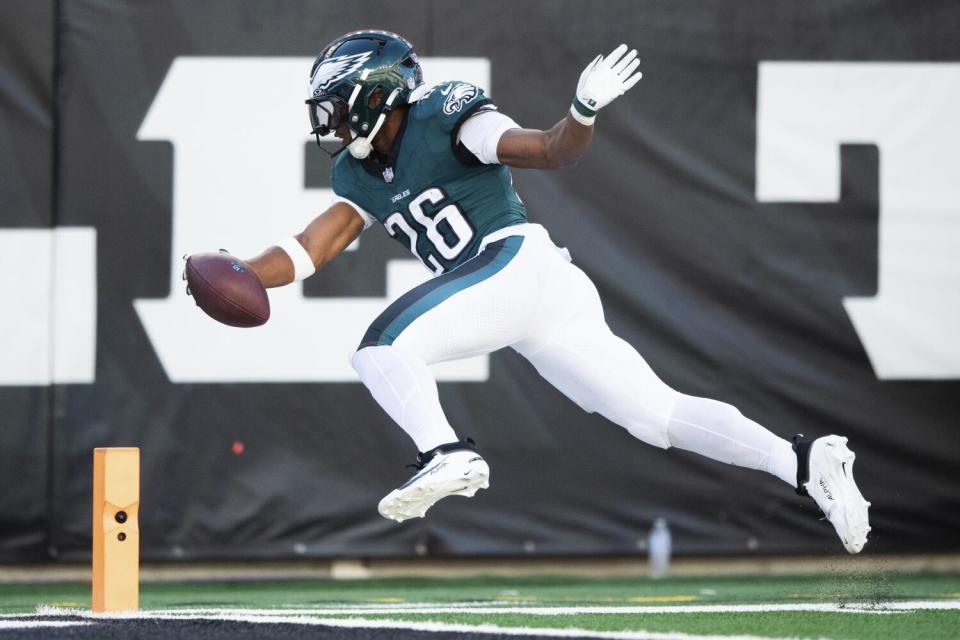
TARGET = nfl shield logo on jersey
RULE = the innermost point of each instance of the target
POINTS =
(388, 174)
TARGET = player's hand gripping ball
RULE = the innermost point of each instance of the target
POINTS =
(227, 289)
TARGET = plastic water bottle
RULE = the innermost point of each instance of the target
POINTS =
(659, 547)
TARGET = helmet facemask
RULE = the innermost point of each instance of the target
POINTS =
(327, 113)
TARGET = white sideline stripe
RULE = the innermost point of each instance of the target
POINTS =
(477, 608)
(857, 607)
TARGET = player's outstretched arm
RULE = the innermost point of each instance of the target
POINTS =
(604, 80)
(298, 256)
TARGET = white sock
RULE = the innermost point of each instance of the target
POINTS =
(720, 432)
(404, 386)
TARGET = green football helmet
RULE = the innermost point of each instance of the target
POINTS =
(358, 80)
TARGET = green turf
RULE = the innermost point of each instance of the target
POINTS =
(566, 592)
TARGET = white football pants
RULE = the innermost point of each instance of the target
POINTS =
(521, 291)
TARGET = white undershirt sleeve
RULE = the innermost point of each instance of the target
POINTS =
(367, 218)
(482, 132)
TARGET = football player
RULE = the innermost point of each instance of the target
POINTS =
(430, 163)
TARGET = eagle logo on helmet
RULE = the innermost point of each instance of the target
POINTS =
(457, 96)
(333, 69)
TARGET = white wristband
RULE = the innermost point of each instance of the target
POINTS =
(303, 266)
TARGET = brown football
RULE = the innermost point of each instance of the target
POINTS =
(227, 289)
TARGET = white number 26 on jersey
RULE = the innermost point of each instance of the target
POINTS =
(448, 230)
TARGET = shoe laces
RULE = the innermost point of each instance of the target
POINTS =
(424, 457)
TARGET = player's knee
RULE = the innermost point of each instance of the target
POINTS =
(705, 410)
(658, 431)
(646, 413)
(380, 360)
(360, 360)
(659, 403)
(693, 417)
(649, 429)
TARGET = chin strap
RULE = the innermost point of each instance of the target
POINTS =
(361, 148)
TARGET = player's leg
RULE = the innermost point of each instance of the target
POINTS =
(602, 373)
(470, 311)
(475, 309)
(403, 385)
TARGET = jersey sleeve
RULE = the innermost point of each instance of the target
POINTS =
(367, 218)
(341, 184)
(481, 133)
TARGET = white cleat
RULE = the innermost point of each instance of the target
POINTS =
(457, 473)
(831, 485)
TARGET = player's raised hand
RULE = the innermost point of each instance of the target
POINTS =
(604, 80)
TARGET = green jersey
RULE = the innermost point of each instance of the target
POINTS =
(432, 194)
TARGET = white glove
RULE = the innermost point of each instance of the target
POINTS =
(604, 80)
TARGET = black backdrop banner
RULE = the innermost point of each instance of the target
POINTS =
(178, 126)
(27, 150)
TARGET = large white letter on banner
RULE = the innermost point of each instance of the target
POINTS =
(48, 331)
(911, 111)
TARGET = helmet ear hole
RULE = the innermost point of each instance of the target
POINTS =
(375, 99)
